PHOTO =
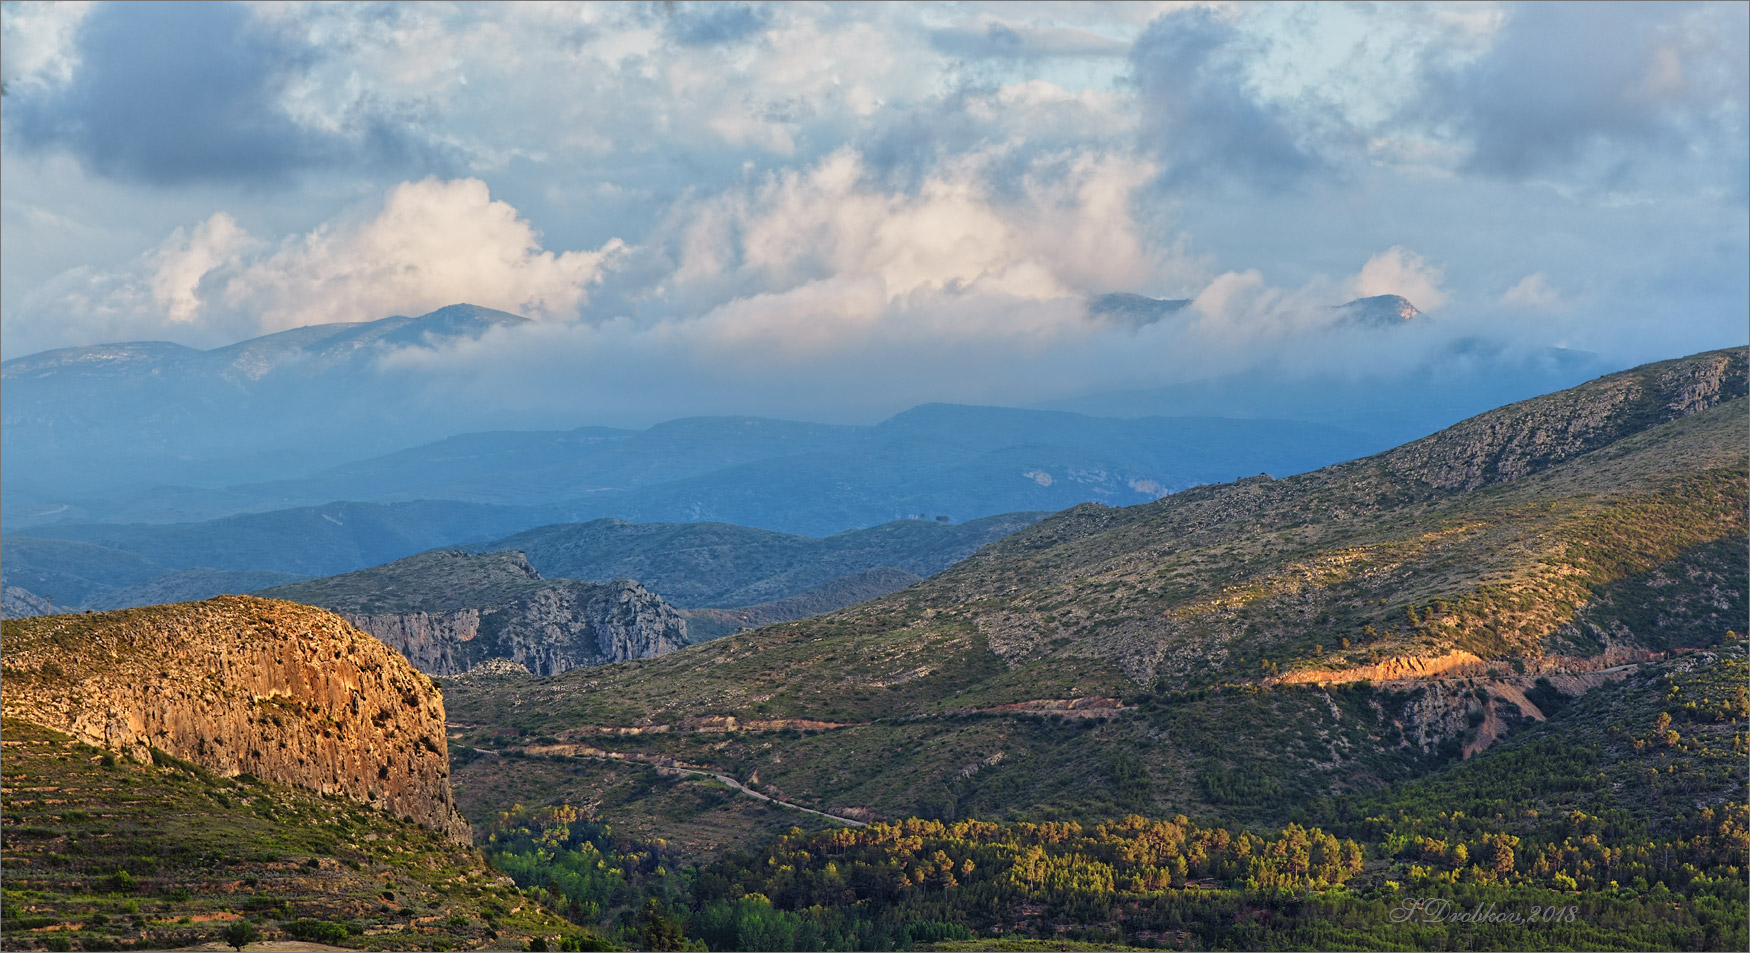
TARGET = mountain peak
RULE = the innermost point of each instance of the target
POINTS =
(1379, 310)
(1134, 309)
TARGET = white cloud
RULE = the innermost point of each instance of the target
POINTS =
(433, 243)
(1399, 271)
(428, 244)
(185, 258)
(1533, 293)
(37, 40)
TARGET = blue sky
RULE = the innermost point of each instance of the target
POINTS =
(901, 202)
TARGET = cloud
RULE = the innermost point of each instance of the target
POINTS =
(428, 244)
(1006, 39)
(714, 24)
(1533, 293)
(1201, 111)
(1564, 84)
(38, 41)
(173, 93)
(1399, 271)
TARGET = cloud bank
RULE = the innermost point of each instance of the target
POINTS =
(737, 205)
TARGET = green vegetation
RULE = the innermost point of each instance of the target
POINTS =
(716, 564)
(104, 854)
(440, 581)
(1193, 617)
(1587, 831)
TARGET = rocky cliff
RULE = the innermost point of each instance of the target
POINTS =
(242, 685)
(1519, 439)
(549, 630)
(450, 611)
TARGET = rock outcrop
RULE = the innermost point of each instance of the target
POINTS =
(241, 685)
(17, 602)
(1524, 438)
(450, 611)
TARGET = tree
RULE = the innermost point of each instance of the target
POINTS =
(659, 930)
(241, 934)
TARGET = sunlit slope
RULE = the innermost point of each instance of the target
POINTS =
(1251, 579)
(1160, 650)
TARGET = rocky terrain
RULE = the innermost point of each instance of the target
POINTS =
(1266, 638)
(239, 685)
(449, 611)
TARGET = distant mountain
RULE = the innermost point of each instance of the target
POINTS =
(1237, 649)
(88, 419)
(935, 460)
(1379, 311)
(1133, 309)
(1137, 310)
(698, 565)
(1394, 403)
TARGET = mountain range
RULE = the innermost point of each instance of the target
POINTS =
(1496, 666)
(1191, 654)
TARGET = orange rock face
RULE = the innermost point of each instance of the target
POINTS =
(241, 685)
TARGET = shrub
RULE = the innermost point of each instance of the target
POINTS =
(241, 934)
(316, 931)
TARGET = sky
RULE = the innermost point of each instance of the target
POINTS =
(839, 210)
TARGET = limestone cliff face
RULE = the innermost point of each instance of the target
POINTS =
(559, 626)
(432, 641)
(563, 627)
(1519, 439)
(238, 684)
(448, 611)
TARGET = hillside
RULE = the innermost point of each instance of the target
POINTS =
(128, 416)
(1102, 660)
(241, 685)
(175, 771)
(449, 611)
(699, 565)
(1617, 822)
(937, 459)
(104, 853)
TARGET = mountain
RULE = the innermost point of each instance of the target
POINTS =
(938, 459)
(238, 765)
(1137, 311)
(699, 565)
(76, 562)
(350, 718)
(1225, 651)
(450, 611)
(1133, 309)
(1395, 397)
(1378, 311)
(91, 419)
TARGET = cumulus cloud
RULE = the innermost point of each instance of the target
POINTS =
(1399, 271)
(1563, 84)
(862, 194)
(428, 244)
(1533, 293)
(174, 93)
(38, 42)
(1201, 110)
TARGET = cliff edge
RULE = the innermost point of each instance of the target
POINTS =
(242, 685)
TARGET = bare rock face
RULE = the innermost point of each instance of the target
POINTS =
(557, 627)
(1519, 439)
(237, 684)
(449, 611)
(17, 602)
(433, 641)
(562, 627)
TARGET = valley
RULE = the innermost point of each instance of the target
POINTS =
(1502, 664)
